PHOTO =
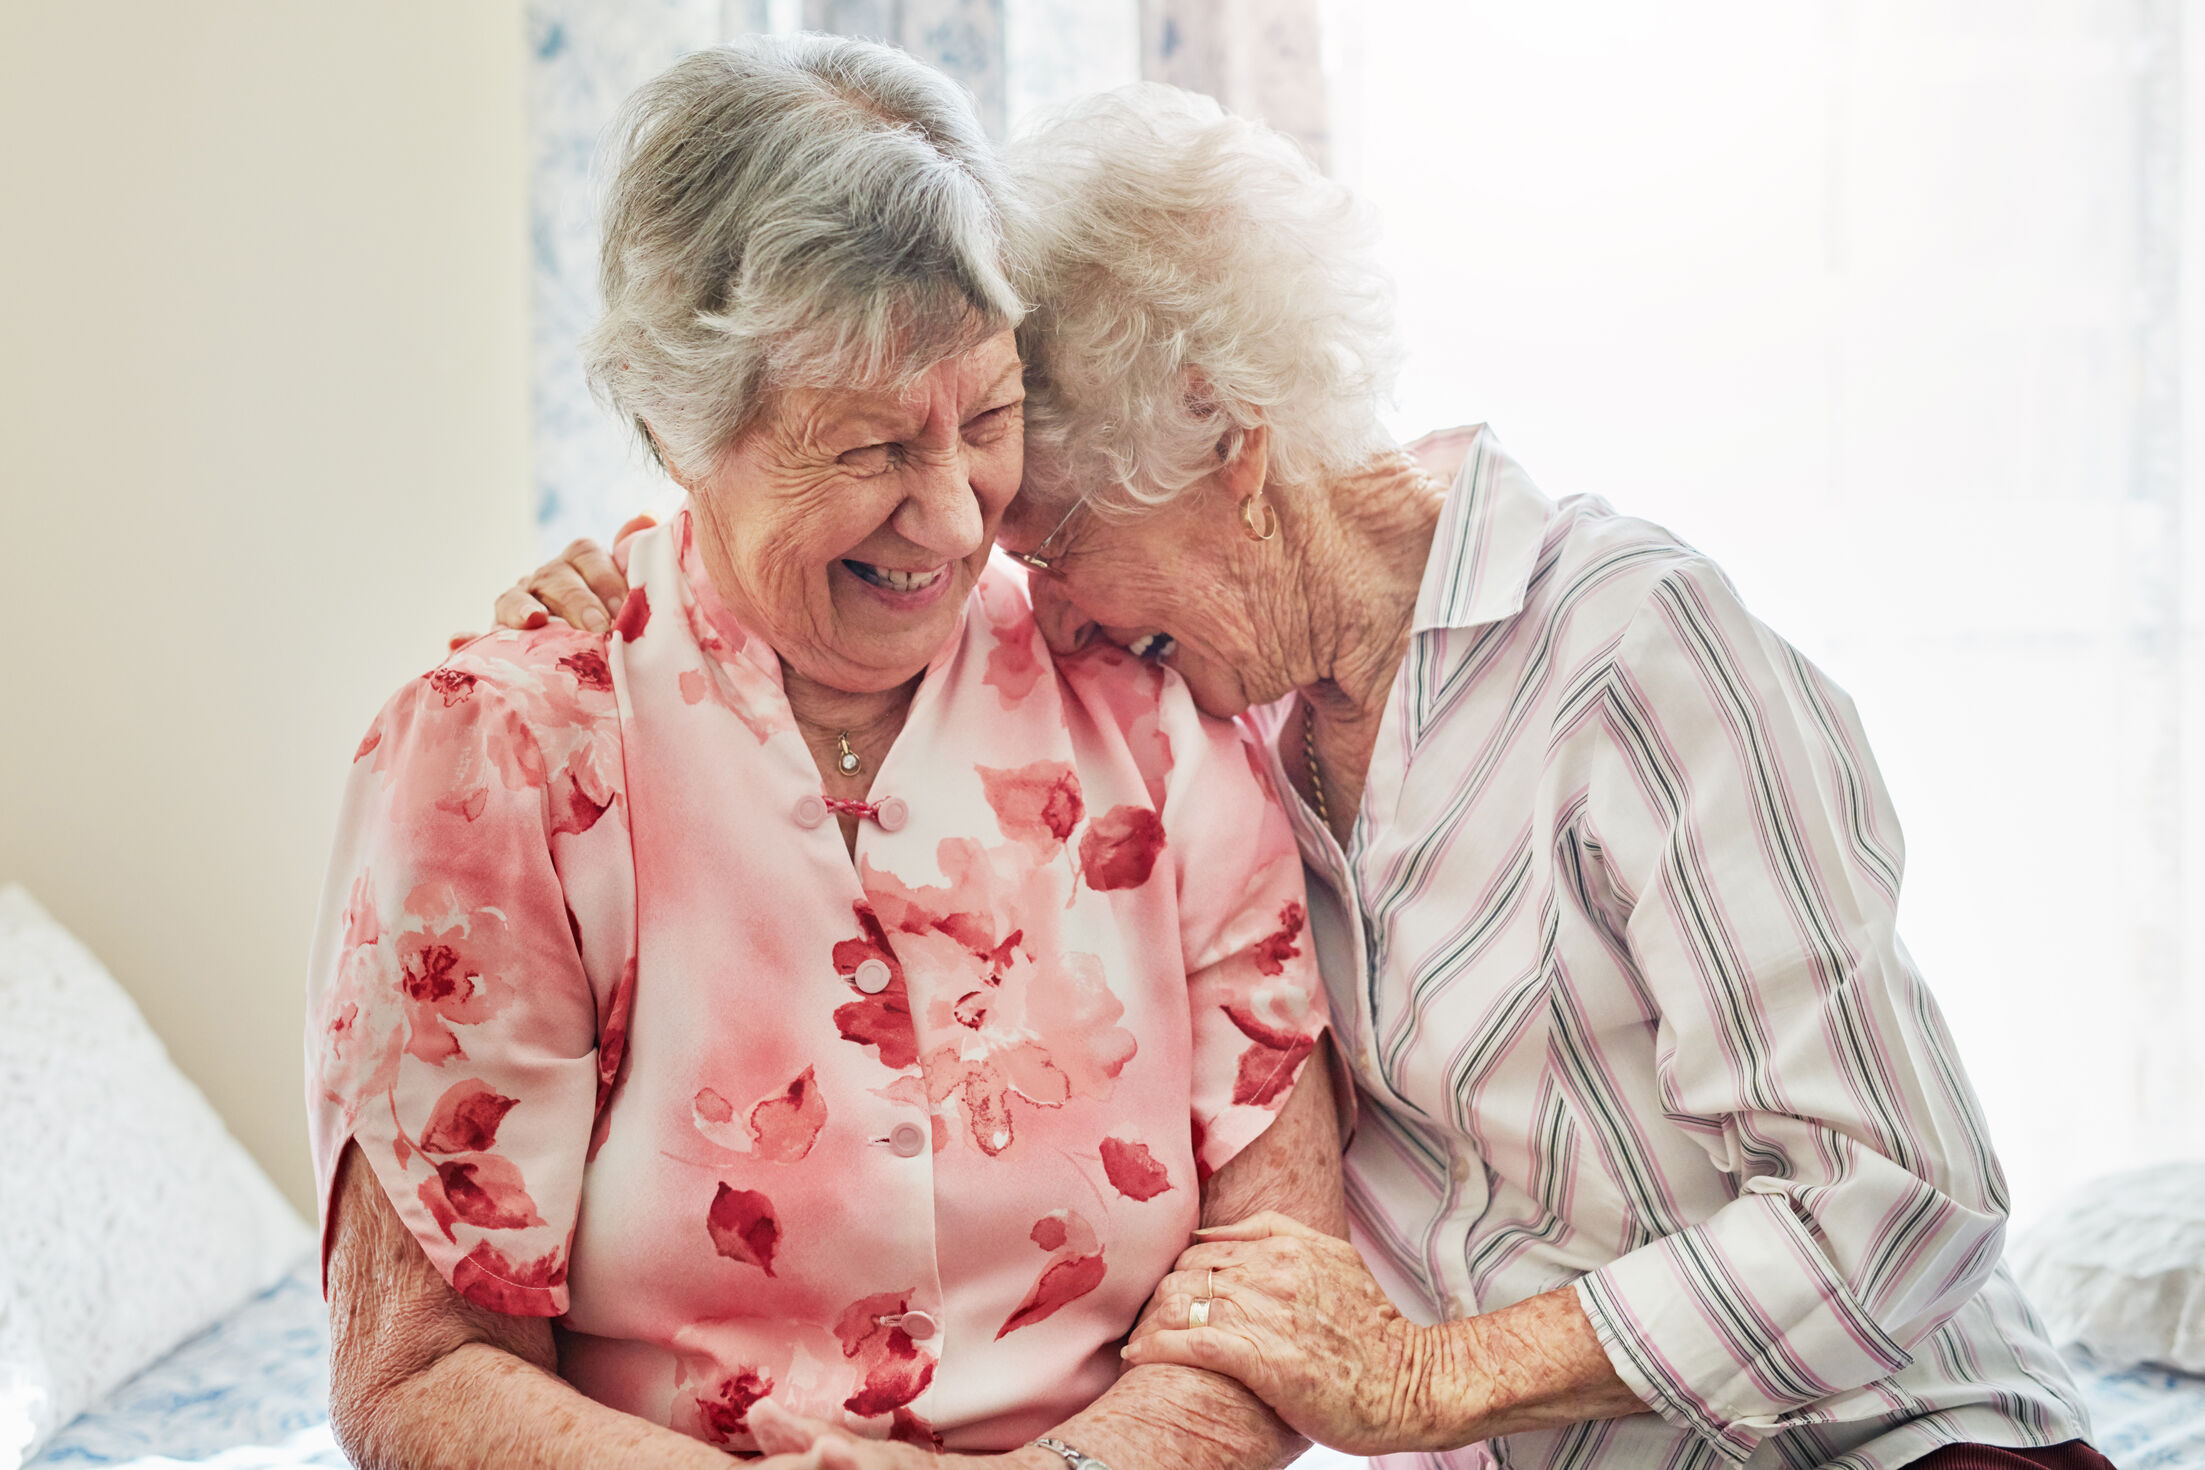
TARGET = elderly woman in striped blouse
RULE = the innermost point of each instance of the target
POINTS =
(1664, 1154)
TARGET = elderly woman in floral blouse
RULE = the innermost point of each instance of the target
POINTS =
(807, 1002)
(1665, 1156)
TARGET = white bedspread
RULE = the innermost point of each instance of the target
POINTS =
(251, 1391)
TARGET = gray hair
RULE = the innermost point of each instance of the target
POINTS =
(799, 211)
(1193, 276)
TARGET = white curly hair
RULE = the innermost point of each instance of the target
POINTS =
(1192, 276)
(806, 210)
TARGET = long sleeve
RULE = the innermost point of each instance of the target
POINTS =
(1752, 861)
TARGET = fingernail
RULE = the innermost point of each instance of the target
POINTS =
(615, 605)
(537, 620)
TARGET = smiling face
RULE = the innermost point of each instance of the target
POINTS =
(1181, 584)
(847, 528)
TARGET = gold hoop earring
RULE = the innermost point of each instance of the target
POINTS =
(1259, 530)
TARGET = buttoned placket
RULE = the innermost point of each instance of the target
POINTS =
(908, 1141)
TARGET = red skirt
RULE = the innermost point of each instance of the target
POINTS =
(2073, 1455)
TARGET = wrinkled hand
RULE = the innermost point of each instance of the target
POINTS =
(580, 587)
(1298, 1318)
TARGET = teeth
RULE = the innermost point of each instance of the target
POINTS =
(1153, 646)
(896, 581)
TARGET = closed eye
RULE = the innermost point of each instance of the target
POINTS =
(869, 459)
(986, 428)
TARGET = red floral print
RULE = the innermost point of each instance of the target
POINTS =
(1133, 1171)
(1038, 804)
(487, 1278)
(1268, 1068)
(1120, 847)
(589, 669)
(635, 615)
(892, 1370)
(1275, 949)
(452, 963)
(485, 1192)
(1075, 1268)
(726, 1413)
(466, 1119)
(781, 1129)
(743, 1227)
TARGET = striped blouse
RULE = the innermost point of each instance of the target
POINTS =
(1612, 952)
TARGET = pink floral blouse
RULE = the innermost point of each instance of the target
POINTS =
(629, 1040)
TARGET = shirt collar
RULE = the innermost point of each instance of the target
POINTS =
(1487, 543)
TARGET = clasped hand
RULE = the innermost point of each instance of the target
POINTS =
(1297, 1317)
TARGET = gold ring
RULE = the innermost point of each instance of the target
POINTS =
(1198, 1312)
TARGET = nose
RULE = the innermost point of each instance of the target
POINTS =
(940, 510)
(1062, 624)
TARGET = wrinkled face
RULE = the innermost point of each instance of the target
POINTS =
(1180, 585)
(847, 528)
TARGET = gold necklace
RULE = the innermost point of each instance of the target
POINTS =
(847, 762)
(1309, 754)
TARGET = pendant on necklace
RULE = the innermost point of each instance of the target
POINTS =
(848, 762)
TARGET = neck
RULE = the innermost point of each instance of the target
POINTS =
(870, 720)
(1363, 547)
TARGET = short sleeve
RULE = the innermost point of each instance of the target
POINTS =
(1258, 1006)
(452, 1023)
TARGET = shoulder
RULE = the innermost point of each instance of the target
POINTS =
(549, 679)
(532, 704)
(1600, 574)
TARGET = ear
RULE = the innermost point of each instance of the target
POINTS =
(1248, 469)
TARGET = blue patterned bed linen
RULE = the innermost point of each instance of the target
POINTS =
(252, 1393)
(249, 1393)
(2145, 1417)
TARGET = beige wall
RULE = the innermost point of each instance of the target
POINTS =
(263, 439)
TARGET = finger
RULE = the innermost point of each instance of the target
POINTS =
(633, 524)
(516, 608)
(558, 586)
(1259, 1226)
(595, 566)
(1197, 1347)
(1227, 1255)
(1175, 1312)
(780, 1432)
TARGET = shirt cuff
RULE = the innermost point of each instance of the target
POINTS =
(1727, 1327)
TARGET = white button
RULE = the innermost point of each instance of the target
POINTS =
(909, 1141)
(810, 811)
(892, 814)
(871, 977)
(918, 1326)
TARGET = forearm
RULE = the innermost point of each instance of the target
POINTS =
(1536, 1365)
(479, 1405)
(1167, 1415)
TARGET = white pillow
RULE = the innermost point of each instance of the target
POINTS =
(129, 1217)
(2120, 1267)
